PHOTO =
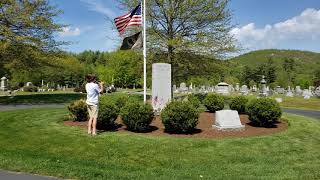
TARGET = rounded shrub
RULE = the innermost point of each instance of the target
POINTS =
(108, 114)
(78, 110)
(121, 101)
(194, 101)
(214, 102)
(137, 116)
(263, 111)
(239, 104)
(201, 96)
(179, 117)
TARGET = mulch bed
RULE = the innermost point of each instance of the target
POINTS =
(204, 128)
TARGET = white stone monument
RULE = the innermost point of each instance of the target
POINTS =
(289, 92)
(307, 94)
(244, 89)
(298, 90)
(222, 88)
(237, 87)
(29, 84)
(3, 84)
(263, 91)
(183, 87)
(228, 120)
(161, 85)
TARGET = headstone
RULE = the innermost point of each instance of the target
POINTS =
(279, 100)
(174, 88)
(183, 87)
(280, 90)
(254, 88)
(42, 83)
(289, 92)
(161, 85)
(222, 88)
(29, 84)
(3, 84)
(237, 87)
(298, 90)
(202, 89)
(190, 87)
(228, 120)
(317, 91)
(306, 94)
(244, 89)
(263, 91)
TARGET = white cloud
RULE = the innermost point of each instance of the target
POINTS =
(68, 31)
(97, 6)
(305, 27)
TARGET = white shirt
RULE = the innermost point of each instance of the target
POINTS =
(93, 91)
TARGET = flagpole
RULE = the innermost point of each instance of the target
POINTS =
(144, 53)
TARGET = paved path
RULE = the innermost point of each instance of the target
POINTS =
(6, 175)
(29, 106)
(307, 113)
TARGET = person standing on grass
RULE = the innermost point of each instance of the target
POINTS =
(93, 91)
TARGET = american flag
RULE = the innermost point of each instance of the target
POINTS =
(133, 18)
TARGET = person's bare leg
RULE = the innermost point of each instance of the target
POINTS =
(90, 125)
(94, 126)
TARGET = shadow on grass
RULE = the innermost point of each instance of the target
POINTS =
(146, 130)
(191, 132)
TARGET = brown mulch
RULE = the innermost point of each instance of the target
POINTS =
(204, 128)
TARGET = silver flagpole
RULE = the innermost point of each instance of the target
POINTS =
(144, 53)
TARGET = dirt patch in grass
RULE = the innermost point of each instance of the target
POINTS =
(203, 130)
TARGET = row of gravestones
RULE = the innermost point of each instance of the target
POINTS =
(224, 88)
(4, 86)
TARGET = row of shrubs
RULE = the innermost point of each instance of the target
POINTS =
(178, 116)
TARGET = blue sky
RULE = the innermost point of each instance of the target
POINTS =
(259, 24)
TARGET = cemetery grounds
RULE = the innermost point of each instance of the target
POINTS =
(37, 141)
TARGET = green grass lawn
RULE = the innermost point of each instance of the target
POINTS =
(40, 98)
(300, 103)
(36, 141)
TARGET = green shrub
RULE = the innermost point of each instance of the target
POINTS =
(30, 89)
(214, 102)
(194, 101)
(108, 113)
(137, 116)
(179, 117)
(201, 96)
(78, 110)
(263, 111)
(121, 101)
(239, 104)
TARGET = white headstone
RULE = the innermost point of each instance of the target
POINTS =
(228, 120)
(161, 85)
(29, 84)
(244, 89)
(3, 84)
(222, 88)
(279, 100)
(237, 87)
(183, 87)
(289, 92)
